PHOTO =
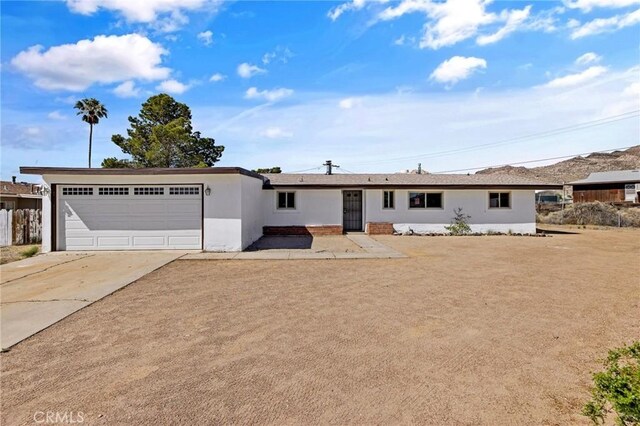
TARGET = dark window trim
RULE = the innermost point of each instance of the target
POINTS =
(295, 202)
(393, 199)
(425, 200)
(499, 207)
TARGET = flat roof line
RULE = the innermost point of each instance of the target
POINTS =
(32, 170)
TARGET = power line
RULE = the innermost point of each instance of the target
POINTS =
(348, 171)
(554, 132)
(534, 161)
(306, 170)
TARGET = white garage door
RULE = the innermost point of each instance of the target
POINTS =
(129, 217)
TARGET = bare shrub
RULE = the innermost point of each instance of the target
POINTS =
(596, 213)
(631, 217)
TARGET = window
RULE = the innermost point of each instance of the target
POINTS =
(184, 190)
(148, 190)
(499, 200)
(286, 200)
(428, 200)
(388, 201)
(113, 190)
(77, 191)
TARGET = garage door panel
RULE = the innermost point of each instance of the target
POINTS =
(183, 240)
(149, 241)
(112, 241)
(144, 219)
(80, 241)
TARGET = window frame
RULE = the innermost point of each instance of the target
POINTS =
(392, 205)
(287, 208)
(426, 203)
(500, 207)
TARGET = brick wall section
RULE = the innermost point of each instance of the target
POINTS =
(379, 228)
(303, 230)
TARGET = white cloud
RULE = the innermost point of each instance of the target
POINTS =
(268, 95)
(163, 15)
(605, 25)
(276, 133)
(453, 21)
(576, 79)
(348, 103)
(217, 77)
(457, 68)
(206, 37)
(514, 20)
(632, 90)
(588, 58)
(103, 60)
(173, 86)
(282, 54)
(456, 119)
(127, 89)
(573, 23)
(56, 115)
(246, 70)
(449, 22)
(587, 5)
(337, 11)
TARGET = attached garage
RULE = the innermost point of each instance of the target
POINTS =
(129, 217)
(211, 208)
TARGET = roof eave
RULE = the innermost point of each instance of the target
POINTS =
(269, 185)
(30, 170)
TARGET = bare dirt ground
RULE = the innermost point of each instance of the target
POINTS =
(13, 253)
(469, 330)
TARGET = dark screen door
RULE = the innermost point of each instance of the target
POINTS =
(352, 210)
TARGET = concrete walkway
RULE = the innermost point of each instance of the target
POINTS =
(278, 248)
(38, 292)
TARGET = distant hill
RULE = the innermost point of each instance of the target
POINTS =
(575, 168)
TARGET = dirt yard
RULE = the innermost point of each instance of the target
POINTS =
(13, 253)
(468, 330)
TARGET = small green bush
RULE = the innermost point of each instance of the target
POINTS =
(617, 388)
(459, 223)
(31, 251)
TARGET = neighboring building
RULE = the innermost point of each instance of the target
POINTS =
(549, 197)
(228, 208)
(19, 195)
(620, 186)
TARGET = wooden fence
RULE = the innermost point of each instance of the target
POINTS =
(20, 227)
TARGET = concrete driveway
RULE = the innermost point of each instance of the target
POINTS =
(40, 291)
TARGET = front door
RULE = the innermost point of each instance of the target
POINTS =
(352, 210)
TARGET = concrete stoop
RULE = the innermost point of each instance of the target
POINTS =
(372, 250)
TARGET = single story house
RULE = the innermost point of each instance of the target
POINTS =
(19, 195)
(621, 186)
(228, 208)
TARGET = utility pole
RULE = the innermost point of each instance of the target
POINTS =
(330, 167)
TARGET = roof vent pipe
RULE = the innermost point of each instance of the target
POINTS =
(330, 167)
(13, 179)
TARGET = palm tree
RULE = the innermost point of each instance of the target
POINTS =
(91, 111)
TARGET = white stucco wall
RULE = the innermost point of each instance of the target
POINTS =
(519, 218)
(251, 210)
(222, 216)
(46, 223)
(313, 207)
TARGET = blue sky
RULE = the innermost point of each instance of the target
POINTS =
(374, 86)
